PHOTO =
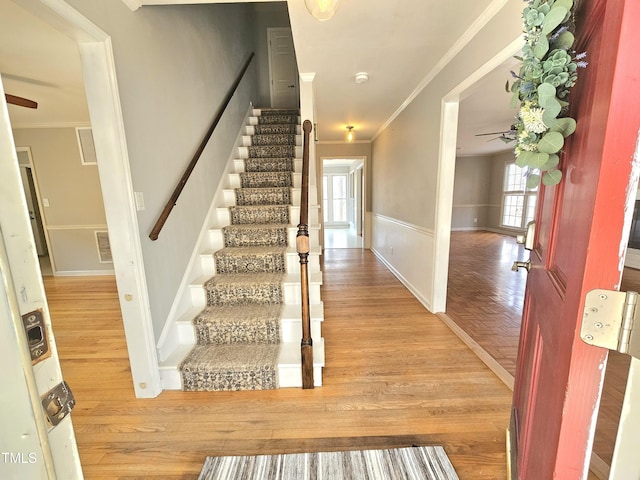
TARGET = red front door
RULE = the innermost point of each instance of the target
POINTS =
(580, 240)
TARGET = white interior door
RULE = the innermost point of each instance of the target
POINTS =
(37, 439)
(283, 69)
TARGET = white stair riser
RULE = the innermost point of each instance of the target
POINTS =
(291, 377)
(293, 295)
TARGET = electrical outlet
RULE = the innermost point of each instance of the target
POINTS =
(475, 220)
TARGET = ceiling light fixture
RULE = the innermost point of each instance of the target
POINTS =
(350, 135)
(362, 77)
(322, 9)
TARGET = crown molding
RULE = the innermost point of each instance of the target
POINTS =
(133, 4)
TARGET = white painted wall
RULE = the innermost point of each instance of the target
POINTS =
(408, 175)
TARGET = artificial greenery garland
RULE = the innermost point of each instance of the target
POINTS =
(549, 70)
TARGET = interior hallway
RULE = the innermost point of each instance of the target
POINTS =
(395, 376)
(342, 238)
(485, 298)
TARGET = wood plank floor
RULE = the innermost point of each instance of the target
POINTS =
(485, 299)
(395, 376)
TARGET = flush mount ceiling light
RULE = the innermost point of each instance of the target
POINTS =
(322, 9)
(362, 77)
(350, 135)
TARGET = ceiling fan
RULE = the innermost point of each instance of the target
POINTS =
(20, 101)
(506, 135)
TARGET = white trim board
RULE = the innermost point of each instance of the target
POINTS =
(407, 248)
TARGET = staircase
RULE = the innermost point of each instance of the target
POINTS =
(243, 329)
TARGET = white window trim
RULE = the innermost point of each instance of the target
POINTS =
(527, 195)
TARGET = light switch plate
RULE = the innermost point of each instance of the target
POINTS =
(139, 197)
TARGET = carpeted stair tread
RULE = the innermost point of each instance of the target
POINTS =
(266, 179)
(269, 164)
(250, 259)
(238, 324)
(273, 139)
(275, 129)
(266, 151)
(277, 119)
(279, 111)
(238, 334)
(263, 196)
(244, 214)
(231, 367)
(238, 288)
(249, 235)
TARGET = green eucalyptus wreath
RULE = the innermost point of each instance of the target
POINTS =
(549, 70)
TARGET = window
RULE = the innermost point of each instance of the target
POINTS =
(518, 202)
(334, 198)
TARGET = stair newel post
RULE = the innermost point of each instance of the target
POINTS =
(302, 247)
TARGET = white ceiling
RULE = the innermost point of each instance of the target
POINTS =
(40, 63)
(398, 43)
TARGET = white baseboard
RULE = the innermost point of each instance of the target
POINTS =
(83, 273)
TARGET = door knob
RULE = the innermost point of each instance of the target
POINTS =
(516, 265)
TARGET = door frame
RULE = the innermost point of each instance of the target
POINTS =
(103, 100)
(446, 172)
(43, 220)
(366, 221)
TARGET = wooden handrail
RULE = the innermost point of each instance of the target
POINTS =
(185, 176)
(302, 247)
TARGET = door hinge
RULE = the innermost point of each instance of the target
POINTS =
(609, 321)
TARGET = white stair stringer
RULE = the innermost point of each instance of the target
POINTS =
(178, 336)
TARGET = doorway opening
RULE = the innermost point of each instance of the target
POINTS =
(343, 202)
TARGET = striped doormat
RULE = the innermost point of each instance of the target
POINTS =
(424, 463)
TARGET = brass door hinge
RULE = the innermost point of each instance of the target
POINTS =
(609, 321)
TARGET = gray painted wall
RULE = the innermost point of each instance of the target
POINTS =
(406, 153)
(174, 66)
(73, 191)
(477, 192)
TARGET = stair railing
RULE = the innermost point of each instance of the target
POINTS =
(302, 247)
(192, 164)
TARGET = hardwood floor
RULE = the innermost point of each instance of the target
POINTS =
(485, 299)
(395, 376)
